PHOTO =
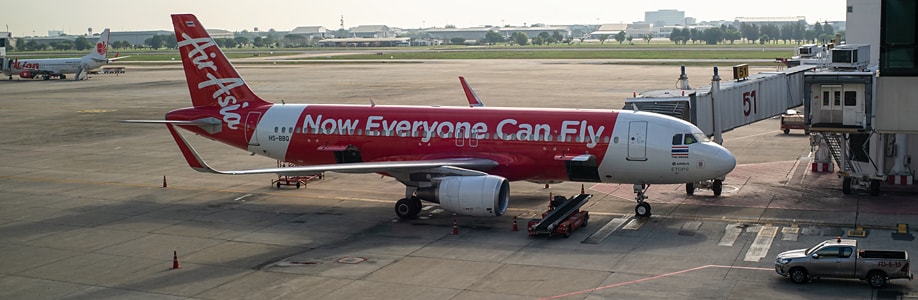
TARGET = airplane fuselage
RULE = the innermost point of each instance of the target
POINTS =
(50, 66)
(529, 144)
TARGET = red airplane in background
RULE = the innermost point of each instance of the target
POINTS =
(460, 157)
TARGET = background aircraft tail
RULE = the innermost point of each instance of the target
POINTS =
(98, 52)
(212, 80)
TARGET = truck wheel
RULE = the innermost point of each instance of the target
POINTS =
(690, 188)
(877, 279)
(874, 187)
(798, 275)
(846, 186)
(586, 221)
(786, 131)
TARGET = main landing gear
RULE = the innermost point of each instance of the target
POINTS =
(643, 208)
(408, 208)
(716, 185)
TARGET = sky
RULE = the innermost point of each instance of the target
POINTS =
(36, 18)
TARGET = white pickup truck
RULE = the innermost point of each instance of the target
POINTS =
(840, 258)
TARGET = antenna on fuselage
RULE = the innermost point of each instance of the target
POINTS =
(372, 104)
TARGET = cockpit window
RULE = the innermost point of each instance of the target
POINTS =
(690, 139)
(677, 139)
(701, 137)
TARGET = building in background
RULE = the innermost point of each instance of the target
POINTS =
(665, 17)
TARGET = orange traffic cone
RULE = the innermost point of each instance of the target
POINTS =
(164, 181)
(515, 228)
(175, 264)
(455, 228)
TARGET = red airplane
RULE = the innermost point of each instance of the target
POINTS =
(460, 157)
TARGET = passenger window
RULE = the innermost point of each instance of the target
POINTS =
(677, 139)
(828, 252)
(690, 139)
(846, 252)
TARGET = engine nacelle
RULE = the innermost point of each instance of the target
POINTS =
(26, 74)
(480, 196)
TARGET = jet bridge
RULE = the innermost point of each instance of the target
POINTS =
(725, 105)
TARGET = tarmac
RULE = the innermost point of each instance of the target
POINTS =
(94, 209)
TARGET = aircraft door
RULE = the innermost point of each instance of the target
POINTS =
(853, 105)
(637, 140)
(251, 122)
(830, 110)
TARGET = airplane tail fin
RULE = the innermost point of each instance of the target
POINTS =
(101, 49)
(212, 80)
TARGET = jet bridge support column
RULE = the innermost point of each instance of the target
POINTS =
(900, 173)
(715, 97)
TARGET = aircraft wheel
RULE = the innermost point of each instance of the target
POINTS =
(718, 187)
(407, 208)
(416, 206)
(846, 186)
(642, 209)
(690, 189)
(874, 187)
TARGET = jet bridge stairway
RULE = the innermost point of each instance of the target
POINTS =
(563, 217)
(856, 174)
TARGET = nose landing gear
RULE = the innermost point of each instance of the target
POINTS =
(643, 208)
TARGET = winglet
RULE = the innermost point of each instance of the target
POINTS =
(470, 94)
(191, 156)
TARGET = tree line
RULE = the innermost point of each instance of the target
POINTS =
(751, 33)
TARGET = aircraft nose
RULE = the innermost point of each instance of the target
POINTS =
(721, 161)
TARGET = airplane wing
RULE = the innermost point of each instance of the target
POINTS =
(461, 166)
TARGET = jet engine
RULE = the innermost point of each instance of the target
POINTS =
(480, 196)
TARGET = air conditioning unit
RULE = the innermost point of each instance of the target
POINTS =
(808, 51)
(850, 57)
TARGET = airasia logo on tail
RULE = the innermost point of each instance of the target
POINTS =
(200, 56)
